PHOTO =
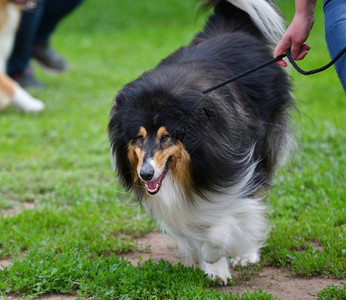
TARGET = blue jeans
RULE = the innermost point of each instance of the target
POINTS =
(36, 28)
(335, 32)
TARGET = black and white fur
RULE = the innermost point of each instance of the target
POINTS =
(200, 163)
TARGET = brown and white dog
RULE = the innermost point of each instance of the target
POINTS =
(10, 91)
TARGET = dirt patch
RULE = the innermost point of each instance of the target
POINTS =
(4, 263)
(281, 284)
(58, 297)
(154, 246)
(46, 297)
(17, 209)
(277, 282)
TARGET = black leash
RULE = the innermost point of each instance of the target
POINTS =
(273, 61)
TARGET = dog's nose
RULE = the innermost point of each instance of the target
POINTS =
(147, 172)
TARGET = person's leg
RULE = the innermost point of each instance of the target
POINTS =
(22, 49)
(54, 12)
(335, 32)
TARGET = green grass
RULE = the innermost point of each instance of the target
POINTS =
(332, 292)
(59, 160)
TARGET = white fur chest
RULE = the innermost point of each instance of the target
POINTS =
(8, 32)
(225, 219)
(170, 208)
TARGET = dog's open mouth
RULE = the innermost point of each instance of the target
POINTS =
(152, 187)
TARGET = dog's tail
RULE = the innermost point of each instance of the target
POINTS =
(261, 12)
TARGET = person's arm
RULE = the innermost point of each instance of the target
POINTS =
(298, 31)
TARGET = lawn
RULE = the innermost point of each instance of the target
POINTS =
(59, 162)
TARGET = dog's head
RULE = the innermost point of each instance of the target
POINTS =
(154, 153)
(148, 131)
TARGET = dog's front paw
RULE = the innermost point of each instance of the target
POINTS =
(245, 260)
(218, 271)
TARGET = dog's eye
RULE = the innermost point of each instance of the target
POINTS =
(164, 138)
(140, 139)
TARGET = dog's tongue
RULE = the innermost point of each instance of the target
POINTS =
(153, 187)
(152, 184)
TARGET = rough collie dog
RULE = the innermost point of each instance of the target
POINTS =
(200, 163)
(10, 91)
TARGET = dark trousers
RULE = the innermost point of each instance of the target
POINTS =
(36, 28)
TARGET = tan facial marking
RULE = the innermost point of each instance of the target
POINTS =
(162, 131)
(161, 156)
(139, 151)
(133, 159)
(136, 154)
(142, 132)
(180, 166)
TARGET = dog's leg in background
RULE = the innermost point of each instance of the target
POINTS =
(6, 91)
(12, 93)
(246, 259)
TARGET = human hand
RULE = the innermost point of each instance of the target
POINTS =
(295, 37)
